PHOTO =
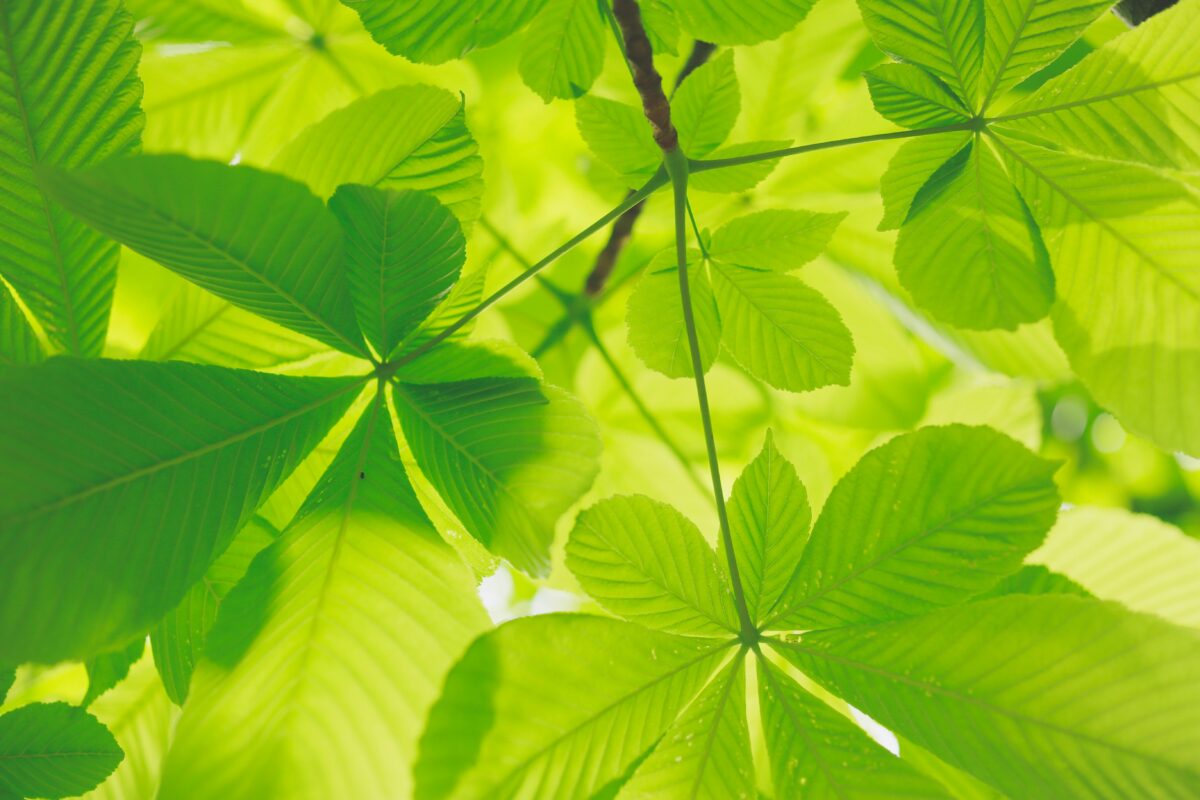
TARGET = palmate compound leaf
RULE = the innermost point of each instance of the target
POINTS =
(928, 519)
(180, 637)
(969, 251)
(557, 706)
(434, 31)
(69, 98)
(404, 251)
(407, 137)
(706, 106)
(816, 753)
(1125, 244)
(106, 459)
(327, 655)
(648, 563)
(910, 169)
(909, 96)
(776, 239)
(769, 518)
(657, 330)
(563, 49)
(258, 240)
(1041, 696)
(54, 750)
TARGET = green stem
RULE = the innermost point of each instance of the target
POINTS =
(654, 184)
(719, 163)
(677, 167)
(641, 407)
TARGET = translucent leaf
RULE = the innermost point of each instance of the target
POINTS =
(815, 752)
(180, 637)
(259, 240)
(928, 519)
(69, 98)
(769, 519)
(1135, 232)
(1135, 559)
(404, 250)
(523, 715)
(98, 465)
(705, 754)
(409, 137)
(944, 37)
(746, 22)
(775, 239)
(54, 750)
(619, 136)
(656, 326)
(706, 106)
(18, 342)
(780, 330)
(564, 49)
(335, 642)
(1135, 99)
(911, 97)
(645, 561)
(508, 457)
(108, 669)
(439, 30)
(969, 252)
(1049, 695)
(910, 168)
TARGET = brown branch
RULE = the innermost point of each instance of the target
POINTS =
(622, 229)
(645, 77)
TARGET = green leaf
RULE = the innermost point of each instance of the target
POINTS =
(439, 30)
(1135, 232)
(777, 239)
(335, 643)
(645, 561)
(464, 296)
(523, 714)
(706, 752)
(450, 362)
(747, 22)
(1025, 35)
(706, 106)
(619, 136)
(911, 168)
(780, 330)
(108, 669)
(69, 98)
(944, 37)
(1047, 696)
(971, 255)
(911, 97)
(507, 455)
(815, 752)
(404, 250)
(662, 26)
(657, 332)
(409, 137)
(200, 327)
(564, 49)
(278, 256)
(138, 713)
(54, 750)
(928, 519)
(197, 20)
(18, 342)
(7, 677)
(769, 518)
(99, 464)
(180, 637)
(1136, 559)
(1035, 579)
(1133, 99)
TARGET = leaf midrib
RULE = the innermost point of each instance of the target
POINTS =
(182, 458)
